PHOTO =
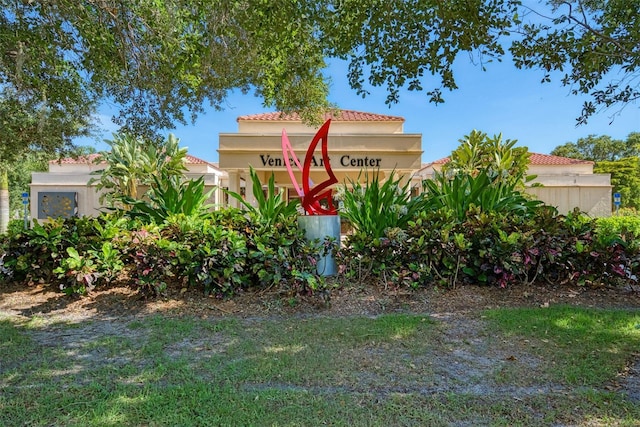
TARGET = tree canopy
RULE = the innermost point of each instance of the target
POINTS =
(600, 148)
(160, 61)
(595, 44)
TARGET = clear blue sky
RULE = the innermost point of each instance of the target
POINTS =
(502, 99)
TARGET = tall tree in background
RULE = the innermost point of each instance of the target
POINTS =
(619, 158)
(600, 148)
(44, 103)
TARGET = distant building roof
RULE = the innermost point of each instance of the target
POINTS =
(339, 116)
(547, 159)
(193, 160)
(83, 160)
(535, 159)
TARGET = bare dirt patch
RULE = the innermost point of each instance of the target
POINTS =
(46, 301)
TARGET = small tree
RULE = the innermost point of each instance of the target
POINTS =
(486, 173)
(132, 162)
(499, 158)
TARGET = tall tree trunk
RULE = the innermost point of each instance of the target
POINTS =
(4, 200)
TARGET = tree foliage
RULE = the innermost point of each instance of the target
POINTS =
(600, 148)
(160, 61)
(625, 179)
(401, 44)
(594, 43)
(133, 162)
(500, 159)
(44, 101)
(19, 176)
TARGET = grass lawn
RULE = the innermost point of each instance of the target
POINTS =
(543, 366)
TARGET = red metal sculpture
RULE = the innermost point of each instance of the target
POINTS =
(316, 200)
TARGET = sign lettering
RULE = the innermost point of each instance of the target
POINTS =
(360, 162)
(345, 161)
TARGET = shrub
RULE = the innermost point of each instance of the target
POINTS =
(622, 229)
(15, 226)
(375, 206)
(169, 196)
(271, 207)
(461, 193)
(224, 254)
(489, 248)
(33, 254)
(74, 253)
(79, 273)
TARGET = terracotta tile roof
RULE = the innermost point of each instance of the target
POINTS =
(193, 160)
(547, 159)
(340, 116)
(190, 160)
(82, 160)
(536, 159)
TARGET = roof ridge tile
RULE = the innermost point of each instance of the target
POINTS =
(342, 115)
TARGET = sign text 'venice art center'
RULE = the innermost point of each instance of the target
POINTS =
(345, 160)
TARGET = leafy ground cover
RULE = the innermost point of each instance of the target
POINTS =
(543, 355)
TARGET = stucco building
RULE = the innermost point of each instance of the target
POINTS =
(64, 190)
(356, 141)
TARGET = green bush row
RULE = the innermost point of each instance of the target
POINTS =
(227, 251)
(496, 248)
(221, 253)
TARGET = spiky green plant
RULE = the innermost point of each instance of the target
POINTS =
(376, 205)
(270, 207)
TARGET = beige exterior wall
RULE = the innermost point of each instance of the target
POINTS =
(337, 127)
(74, 178)
(590, 193)
(87, 197)
(576, 169)
(595, 201)
(564, 186)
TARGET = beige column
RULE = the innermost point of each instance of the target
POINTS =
(234, 185)
(218, 196)
(248, 189)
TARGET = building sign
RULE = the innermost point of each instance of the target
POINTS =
(340, 160)
(346, 160)
(57, 204)
(349, 153)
